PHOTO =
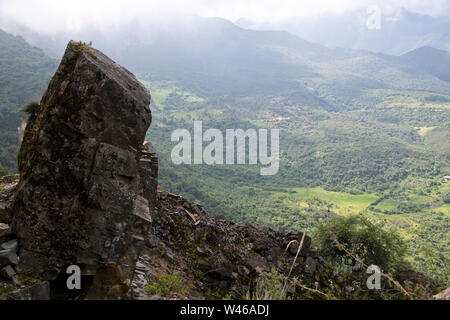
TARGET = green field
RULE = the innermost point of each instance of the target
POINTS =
(342, 203)
(162, 90)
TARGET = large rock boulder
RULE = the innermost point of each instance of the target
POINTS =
(82, 199)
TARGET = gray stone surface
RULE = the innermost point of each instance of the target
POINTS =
(10, 245)
(7, 272)
(8, 257)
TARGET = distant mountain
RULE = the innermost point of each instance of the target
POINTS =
(24, 74)
(215, 57)
(433, 61)
(400, 32)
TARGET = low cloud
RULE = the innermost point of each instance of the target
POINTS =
(54, 16)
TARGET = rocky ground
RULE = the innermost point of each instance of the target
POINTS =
(213, 256)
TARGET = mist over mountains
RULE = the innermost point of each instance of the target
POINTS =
(400, 31)
(220, 54)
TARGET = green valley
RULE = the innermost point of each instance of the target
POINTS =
(386, 163)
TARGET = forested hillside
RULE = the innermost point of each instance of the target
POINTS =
(24, 74)
(386, 163)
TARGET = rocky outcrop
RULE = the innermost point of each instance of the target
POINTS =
(85, 187)
(214, 257)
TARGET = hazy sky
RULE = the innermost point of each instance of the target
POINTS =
(59, 15)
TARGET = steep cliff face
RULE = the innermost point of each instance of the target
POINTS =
(83, 196)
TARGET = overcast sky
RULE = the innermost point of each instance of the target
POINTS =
(59, 15)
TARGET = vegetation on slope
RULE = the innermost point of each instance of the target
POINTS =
(370, 161)
(24, 74)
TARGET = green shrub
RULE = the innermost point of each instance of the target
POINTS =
(269, 287)
(366, 240)
(446, 198)
(27, 279)
(164, 285)
(31, 108)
